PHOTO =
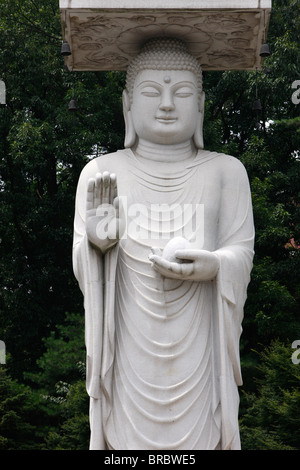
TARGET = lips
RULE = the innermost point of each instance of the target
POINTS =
(166, 119)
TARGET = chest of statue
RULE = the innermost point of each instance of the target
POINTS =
(161, 202)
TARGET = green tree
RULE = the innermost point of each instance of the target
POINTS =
(60, 384)
(64, 357)
(43, 149)
(272, 420)
(19, 416)
(52, 411)
(74, 430)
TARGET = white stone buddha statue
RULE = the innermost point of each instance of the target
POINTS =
(163, 248)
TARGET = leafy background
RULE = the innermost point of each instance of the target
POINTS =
(43, 147)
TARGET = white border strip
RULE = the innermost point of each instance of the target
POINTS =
(168, 4)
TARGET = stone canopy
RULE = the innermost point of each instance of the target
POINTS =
(107, 34)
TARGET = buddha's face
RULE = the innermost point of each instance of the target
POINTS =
(165, 106)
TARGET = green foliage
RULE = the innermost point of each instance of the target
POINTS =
(53, 413)
(272, 420)
(60, 382)
(18, 415)
(64, 356)
(74, 432)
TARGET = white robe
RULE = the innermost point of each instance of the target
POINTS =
(163, 355)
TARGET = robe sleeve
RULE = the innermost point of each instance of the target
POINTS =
(95, 275)
(88, 270)
(235, 252)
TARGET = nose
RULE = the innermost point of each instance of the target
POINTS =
(167, 102)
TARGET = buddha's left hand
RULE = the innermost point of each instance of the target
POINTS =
(194, 265)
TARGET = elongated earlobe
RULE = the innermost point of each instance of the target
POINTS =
(130, 135)
(198, 136)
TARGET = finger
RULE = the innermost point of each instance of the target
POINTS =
(116, 204)
(105, 188)
(189, 254)
(165, 268)
(156, 251)
(119, 207)
(113, 188)
(163, 263)
(98, 190)
(181, 269)
(187, 269)
(90, 194)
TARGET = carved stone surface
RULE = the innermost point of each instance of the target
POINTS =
(227, 38)
(163, 248)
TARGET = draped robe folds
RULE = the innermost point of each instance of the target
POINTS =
(163, 354)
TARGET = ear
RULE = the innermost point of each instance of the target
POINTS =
(198, 136)
(130, 135)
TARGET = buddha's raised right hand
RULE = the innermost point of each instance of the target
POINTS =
(103, 222)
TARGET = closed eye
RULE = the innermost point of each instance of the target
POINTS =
(184, 92)
(150, 91)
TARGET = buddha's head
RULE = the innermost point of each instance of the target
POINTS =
(163, 100)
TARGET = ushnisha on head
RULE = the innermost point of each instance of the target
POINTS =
(162, 54)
